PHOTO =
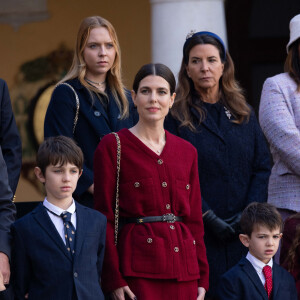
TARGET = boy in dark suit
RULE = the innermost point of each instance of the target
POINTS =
(58, 248)
(257, 276)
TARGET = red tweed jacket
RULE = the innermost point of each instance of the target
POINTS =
(151, 185)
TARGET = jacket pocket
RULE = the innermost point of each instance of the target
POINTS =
(182, 196)
(137, 194)
(191, 256)
(149, 255)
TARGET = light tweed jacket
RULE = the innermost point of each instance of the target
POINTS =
(279, 116)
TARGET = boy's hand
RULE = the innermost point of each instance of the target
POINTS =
(4, 267)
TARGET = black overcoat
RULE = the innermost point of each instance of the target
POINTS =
(234, 168)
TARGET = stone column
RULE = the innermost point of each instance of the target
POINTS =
(172, 20)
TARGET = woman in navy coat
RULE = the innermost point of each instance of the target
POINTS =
(211, 112)
(104, 104)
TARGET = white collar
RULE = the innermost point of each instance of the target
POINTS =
(57, 210)
(258, 264)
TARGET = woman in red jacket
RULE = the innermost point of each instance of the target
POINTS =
(160, 252)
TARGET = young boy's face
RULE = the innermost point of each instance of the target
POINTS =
(263, 243)
(60, 181)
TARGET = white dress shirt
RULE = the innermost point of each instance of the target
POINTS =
(58, 221)
(258, 266)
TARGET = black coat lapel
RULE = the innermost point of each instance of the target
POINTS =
(114, 112)
(41, 216)
(208, 123)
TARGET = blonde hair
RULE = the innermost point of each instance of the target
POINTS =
(231, 93)
(78, 67)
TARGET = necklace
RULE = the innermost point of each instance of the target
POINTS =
(156, 148)
(94, 82)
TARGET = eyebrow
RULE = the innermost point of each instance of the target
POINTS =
(147, 87)
(97, 43)
(196, 57)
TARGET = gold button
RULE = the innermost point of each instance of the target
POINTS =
(164, 184)
(187, 186)
(176, 249)
(172, 227)
(168, 206)
(136, 184)
(149, 240)
(160, 161)
(194, 242)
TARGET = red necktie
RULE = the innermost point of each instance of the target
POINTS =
(267, 271)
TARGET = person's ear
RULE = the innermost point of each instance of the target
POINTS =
(223, 68)
(280, 236)
(39, 174)
(245, 239)
(187, 71)
(172, 99)
(80, 173)
(133, 96)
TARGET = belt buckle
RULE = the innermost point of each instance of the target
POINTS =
(166, 218)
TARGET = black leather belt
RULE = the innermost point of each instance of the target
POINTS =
(169, 218)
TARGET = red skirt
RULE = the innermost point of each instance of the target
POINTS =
(163, 289)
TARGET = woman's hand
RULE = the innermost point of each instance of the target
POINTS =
(2, 287)
(119, 294)
(91, 189)
(201, 293)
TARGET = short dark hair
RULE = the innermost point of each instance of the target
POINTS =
(263, 214)
(156, 70)
(59, 150)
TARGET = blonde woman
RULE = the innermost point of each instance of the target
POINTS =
(104, 104)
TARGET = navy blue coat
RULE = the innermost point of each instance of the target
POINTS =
(10, 141)
(242, 283)
(234, 168)
(7, 209)
(41, 264)
(93, 123)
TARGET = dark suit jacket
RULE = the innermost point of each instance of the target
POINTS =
(7, 209)
(41, 265)
(10, 141)
(242, 283)
(94, 122)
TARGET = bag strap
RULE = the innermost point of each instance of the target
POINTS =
(117, 186)
(77, 104)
